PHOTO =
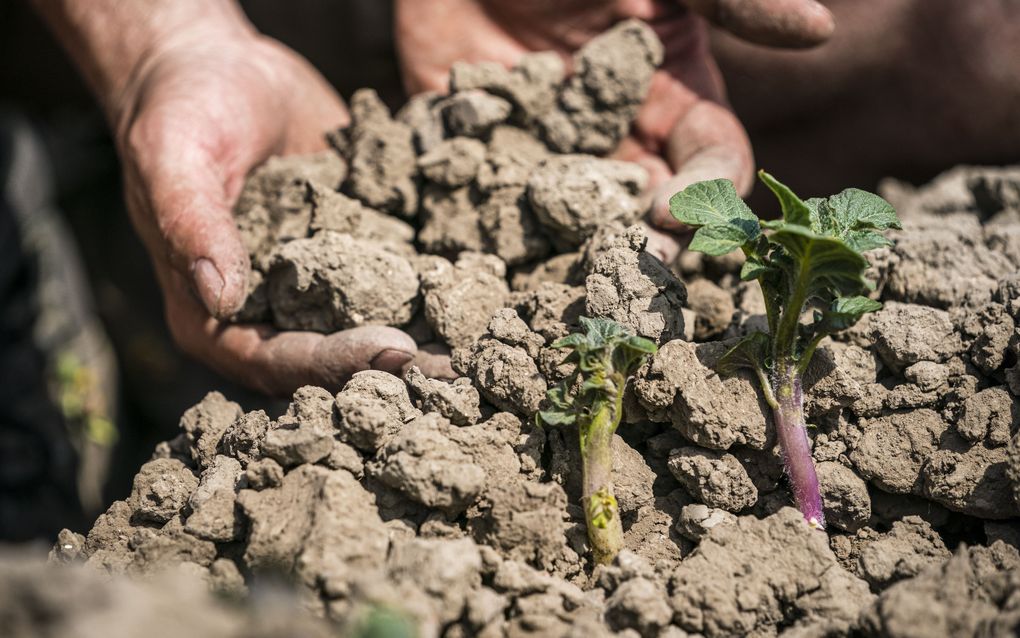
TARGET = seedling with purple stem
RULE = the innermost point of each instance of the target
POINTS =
(605, 356)
(813, 259)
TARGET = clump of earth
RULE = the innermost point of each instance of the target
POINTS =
(424, 219)
(484, 220)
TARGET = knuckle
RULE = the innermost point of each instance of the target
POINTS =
(142, 135)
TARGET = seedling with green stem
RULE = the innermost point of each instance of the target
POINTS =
(811, 259)
(605, 356)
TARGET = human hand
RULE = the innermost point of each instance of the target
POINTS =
(199, 113)
(684, 133)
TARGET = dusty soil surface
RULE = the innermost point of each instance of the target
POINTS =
(38, 600)
(487, 181)
(483, 220)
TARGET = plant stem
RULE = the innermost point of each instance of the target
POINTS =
(601, 513)
(791, 429)
(809, 351)
(785, 336)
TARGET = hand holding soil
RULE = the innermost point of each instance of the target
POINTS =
(195, 107)
(198, 99)
(683, 133)
(201, 121)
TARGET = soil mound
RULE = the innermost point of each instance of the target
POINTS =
(483, 220)
(505, 166)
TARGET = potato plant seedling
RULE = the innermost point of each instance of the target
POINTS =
(605, 356)
(811, 259)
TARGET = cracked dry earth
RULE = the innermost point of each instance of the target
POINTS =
(485, 221)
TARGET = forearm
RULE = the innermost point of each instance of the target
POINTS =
(109, 40)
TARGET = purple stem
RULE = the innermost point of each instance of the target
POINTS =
(791, 428)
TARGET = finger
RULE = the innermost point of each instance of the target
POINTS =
(431, 37)
(779, 23)
(186, 161)
(279, 362)
(182, 186)
(433, 359)
(708, 142)
(665, 246)
(631, 150)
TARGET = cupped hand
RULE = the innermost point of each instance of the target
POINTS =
(684, 133)
(197, 115)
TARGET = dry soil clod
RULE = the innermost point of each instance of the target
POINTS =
(446, 502)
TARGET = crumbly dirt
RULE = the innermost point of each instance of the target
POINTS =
(334, 237)
(974, 593)
(574, 195)
(67, 600)
(460, 298)
(627, 284)
(680, 387)
(712, 306)
(911, 546)
(484, 219)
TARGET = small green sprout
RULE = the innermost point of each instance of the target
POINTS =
(605, 356)
(383, 622)
(813, 259)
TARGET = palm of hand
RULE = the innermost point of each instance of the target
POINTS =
(194, 122)
(198, 120)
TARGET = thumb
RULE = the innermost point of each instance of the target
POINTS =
(191, 210)
(779, 23)
(278, 362)
(708, 142)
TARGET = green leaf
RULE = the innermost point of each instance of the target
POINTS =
(100, 430)
(602, 508)
(631, 353)
(570, 341)
(594, 382)
(600, 332)
(752, 269)
(752, 351)
(603, 353)
(711, 203)
(642, 345)
(717, 240)
(383, 622)
(555, 418)
(855, 305)
(592, 361)
(725, 221)
(795, 211)
(865, 240)
(853, 216)
(825, 264)
(843, 313)
(861, 209)
(559, 395)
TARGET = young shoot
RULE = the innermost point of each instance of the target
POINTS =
(605, 356)
(811, 259)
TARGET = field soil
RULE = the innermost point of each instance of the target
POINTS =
(485, 222)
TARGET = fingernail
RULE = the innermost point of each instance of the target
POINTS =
(209, 283)
(824, 20)
(820, 10)
(391, 360)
